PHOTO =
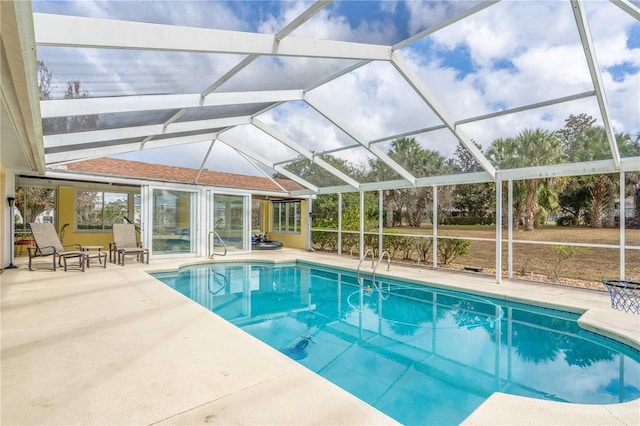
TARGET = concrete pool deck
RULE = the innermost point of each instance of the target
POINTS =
(115, 346)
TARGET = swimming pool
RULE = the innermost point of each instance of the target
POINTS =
(420, 354)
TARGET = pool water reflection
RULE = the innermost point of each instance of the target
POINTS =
(419, 354)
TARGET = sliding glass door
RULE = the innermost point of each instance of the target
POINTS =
(231, 222)
(174, 219)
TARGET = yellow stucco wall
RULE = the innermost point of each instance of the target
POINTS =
(4, 219)
(289, 239)
(66, 214)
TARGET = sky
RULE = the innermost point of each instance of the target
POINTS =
(508, 55)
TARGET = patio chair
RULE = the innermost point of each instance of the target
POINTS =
(124, 243)
(47, 243)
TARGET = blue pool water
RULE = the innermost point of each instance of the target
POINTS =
(417, 353)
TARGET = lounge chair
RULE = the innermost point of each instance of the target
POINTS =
(124, 243)
(47, 243)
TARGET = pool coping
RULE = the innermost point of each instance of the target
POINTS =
(49, 327)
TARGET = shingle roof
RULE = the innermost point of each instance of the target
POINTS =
(140, 170)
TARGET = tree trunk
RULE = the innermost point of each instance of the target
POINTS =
(598, 193)
(530, 207)
(388, 202)
(610, 206)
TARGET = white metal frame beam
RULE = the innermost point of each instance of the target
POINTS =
(304, 17)
(77, 138)
(89, 106)
(20, 96)
(326, 112)
(304, 152)
(95, 150)
(628, 7)
(596, 76)
(476, 118)
(430, 99)
(267, 163)
(227, 76)
(627, 164)
(466, 13)
(53, 30)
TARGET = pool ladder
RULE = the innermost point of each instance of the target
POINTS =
(215, 279)
(211, 241)
(374, 268)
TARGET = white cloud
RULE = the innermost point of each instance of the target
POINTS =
(537, 38)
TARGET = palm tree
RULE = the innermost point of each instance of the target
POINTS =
(501, 155)
(589, 145)
(420, 162)
(379, 171)
(529, 148)
(538, 148)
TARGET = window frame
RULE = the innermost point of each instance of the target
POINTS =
(287, 216)
(104, 228)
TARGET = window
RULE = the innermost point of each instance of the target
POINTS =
(286, 216)
(256, 216)
(100, 210)
(33, 204)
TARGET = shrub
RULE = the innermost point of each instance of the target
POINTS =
(406, 248)
(562, 254)
(392, 244)
(567, 221)
(325, 240)
(462, 220)
(449, 249)
(371, 241)
(350, 243)
(422, 247)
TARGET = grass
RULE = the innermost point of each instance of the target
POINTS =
(583, 266)
(590, 264)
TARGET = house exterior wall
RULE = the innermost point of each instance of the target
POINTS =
(296, 240)
(66, 214)
(5, 218)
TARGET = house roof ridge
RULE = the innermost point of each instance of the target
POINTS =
(108, 166)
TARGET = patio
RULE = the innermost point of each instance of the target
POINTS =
(116, 346)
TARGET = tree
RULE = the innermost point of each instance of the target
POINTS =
(529, 148)
(380, 171)
(317, 175)
(574, 126)
(55, 125)
(421, 163)
(473, 200)
(464, 161)
(44, 81)
(78, 122)
(589, 145)
(501, 154)
(540, 148)
(32, 202)
(630, 147)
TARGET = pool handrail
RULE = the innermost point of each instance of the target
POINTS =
(375, 268)
(362, 259)
(217, 274)
(211, 245)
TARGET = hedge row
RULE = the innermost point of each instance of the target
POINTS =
(400, 247)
